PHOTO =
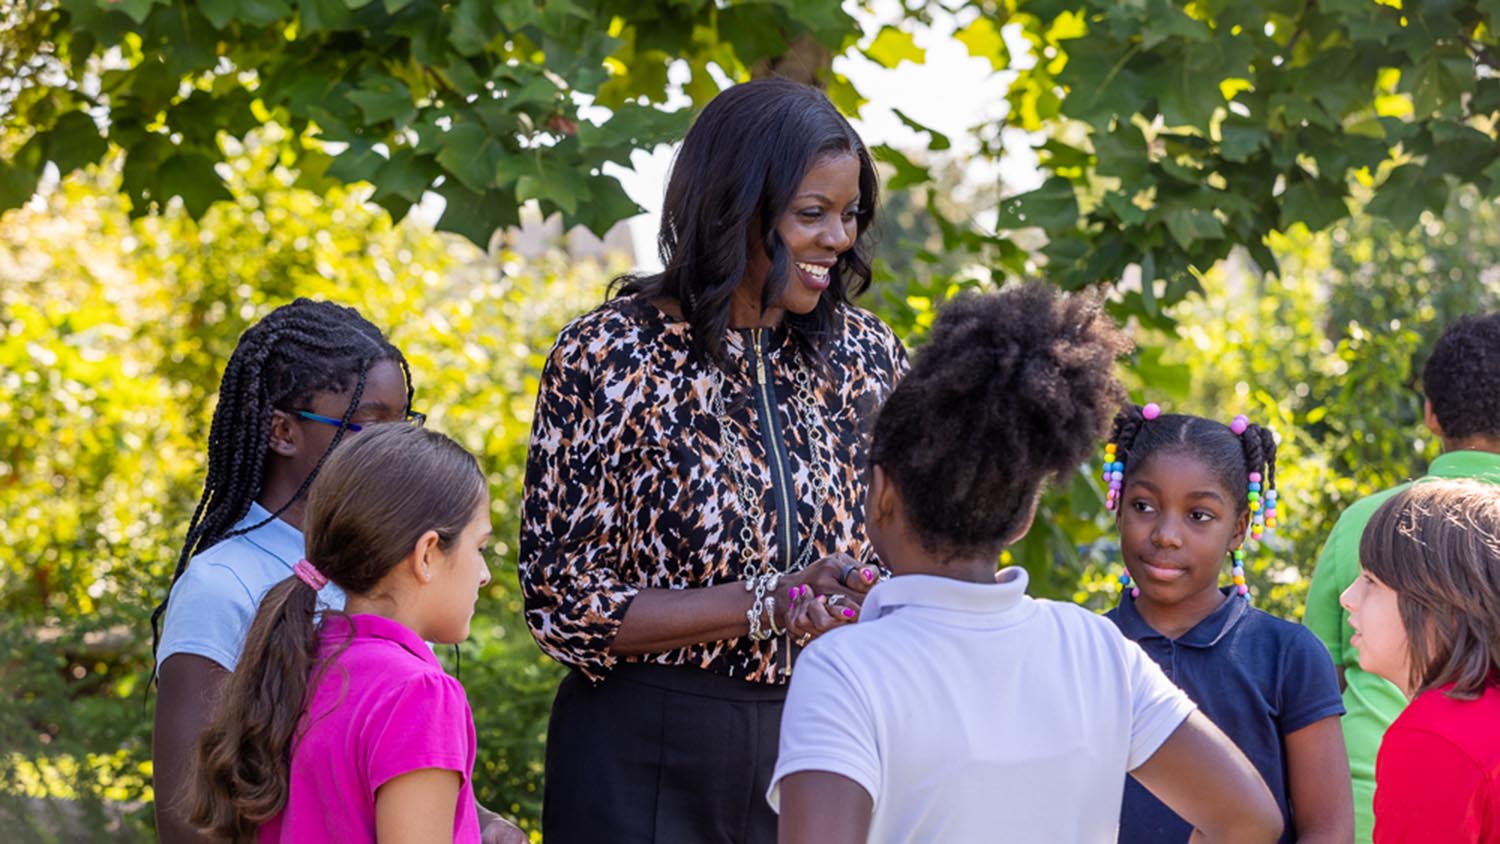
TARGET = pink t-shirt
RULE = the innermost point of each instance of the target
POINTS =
(383, 707)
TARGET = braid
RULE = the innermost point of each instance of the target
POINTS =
(1126, 428)
(297, 350)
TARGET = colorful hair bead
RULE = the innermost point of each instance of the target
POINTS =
(1113, 475)
(1237, 572)
(1135, 591)
(1239, 424)
(1151, 411)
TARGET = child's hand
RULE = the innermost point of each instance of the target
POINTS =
(497, 830)
(810, 615)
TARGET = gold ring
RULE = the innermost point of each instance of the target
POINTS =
(805, 638)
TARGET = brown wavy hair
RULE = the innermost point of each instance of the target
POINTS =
(1437, 545)
(376, 496)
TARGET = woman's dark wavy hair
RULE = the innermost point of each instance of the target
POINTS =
(297, 350)
(1012, 388)
(737, 171)
(1437, 545)
(379, 494)
(1229, 457)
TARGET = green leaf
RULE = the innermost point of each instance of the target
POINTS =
(358, 163)
(1460, 151)
(138, 10)
(938, 142)
(892, 46)
(323, 16)
(476, 215)
(382, 98)
(983, 40)
(1405, 194)
(73, 141)
(218, 12)
(262, 12)
(635, 125)
(1125, 211)
(1189, 224)
(1314, 203)
(17, 184)
(472, 156)
(606, 205)
(1444, 75)
(907, 172)
(1161, 377)
(1053, 207)
(549, 179)
(406, 175)
(1240, 138)
(1122, 153)
(191, 176)
(473, 26)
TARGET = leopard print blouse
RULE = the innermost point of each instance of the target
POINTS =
(627, 485)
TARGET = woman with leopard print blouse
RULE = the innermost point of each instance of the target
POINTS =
(697, 468)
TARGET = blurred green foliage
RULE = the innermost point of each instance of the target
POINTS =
(113, 334)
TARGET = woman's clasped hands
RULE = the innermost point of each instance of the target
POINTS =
(825, 595)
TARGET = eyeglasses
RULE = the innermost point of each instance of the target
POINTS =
(412, 418)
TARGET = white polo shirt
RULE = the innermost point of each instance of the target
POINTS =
(969, 710)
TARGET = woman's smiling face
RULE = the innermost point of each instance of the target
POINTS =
(817, 227)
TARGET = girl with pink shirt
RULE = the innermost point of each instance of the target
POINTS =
(383, 749)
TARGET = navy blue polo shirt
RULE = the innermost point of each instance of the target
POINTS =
(1256, 677)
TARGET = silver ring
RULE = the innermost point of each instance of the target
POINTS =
(836, 599)
(844, 574)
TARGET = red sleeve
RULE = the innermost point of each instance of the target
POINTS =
(1426, 789)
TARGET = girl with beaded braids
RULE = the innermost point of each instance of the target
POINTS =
(299, 382)
(1187, 491)
(959, 709)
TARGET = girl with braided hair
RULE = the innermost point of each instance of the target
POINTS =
(300, 381)
(1187, 491)
(959, 709)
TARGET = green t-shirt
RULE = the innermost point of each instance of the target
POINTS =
(1372, 703)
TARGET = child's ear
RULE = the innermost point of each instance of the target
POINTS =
(283, 437)
(1241, 526)
(883, 499)
(424, 557)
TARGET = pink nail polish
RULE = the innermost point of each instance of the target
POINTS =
(868, 575)
(791, 593)
(849, 613)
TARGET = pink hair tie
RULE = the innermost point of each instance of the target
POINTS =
(1239, 424)
(309, 574)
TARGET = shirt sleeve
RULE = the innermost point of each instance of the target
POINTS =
(1338, 565)
(424, 723)
(1157, 707)
(827, 725)
(572, 521)
(208, 614)
(1309, 686)
(1426, 789)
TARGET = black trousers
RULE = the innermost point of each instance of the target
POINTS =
(661, 755)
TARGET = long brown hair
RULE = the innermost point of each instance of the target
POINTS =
(376, 496)
(1437, 545)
